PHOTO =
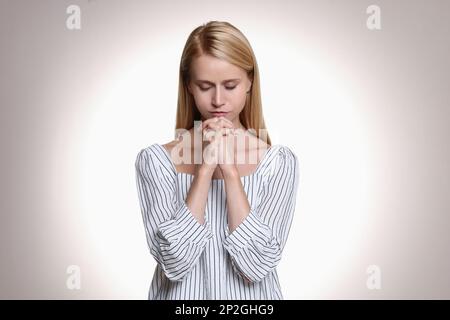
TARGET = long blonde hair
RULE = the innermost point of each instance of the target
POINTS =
(222, 40)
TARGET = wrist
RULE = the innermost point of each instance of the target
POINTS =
(204, 171)
(229, 171)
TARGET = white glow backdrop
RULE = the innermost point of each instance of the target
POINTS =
(366, 111)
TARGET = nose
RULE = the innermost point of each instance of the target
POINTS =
(217, 98)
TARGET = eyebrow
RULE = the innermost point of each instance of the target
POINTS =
(209, 82)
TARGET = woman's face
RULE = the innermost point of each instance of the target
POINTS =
(218, 86)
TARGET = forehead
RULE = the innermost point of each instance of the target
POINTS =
(206, 67)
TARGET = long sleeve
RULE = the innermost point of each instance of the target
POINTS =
(256, 245)
(175, 237)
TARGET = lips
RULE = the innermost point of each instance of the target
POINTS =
(218, 114)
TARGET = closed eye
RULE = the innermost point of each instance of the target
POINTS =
(206, 89)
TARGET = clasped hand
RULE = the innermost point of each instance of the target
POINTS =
(218, 135)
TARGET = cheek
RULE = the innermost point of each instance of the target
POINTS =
(239, 98)
(202, 99)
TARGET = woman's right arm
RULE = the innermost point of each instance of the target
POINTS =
(198, 193)
(175, 230)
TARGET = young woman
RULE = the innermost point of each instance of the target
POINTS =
(215, 225)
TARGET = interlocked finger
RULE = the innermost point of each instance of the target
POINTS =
(219, 127)
(222, 122)
(213, 133)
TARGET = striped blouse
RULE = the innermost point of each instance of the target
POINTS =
(205, 261)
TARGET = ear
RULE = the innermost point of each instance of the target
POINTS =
(250, 87)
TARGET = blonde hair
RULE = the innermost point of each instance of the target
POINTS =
(221, 40)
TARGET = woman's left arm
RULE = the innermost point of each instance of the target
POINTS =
(258, 235)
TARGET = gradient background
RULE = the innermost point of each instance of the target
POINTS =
(366, 112)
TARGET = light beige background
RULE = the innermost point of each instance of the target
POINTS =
(366, 111)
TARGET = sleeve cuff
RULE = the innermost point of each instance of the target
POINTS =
(252, 228)
(185, 226)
